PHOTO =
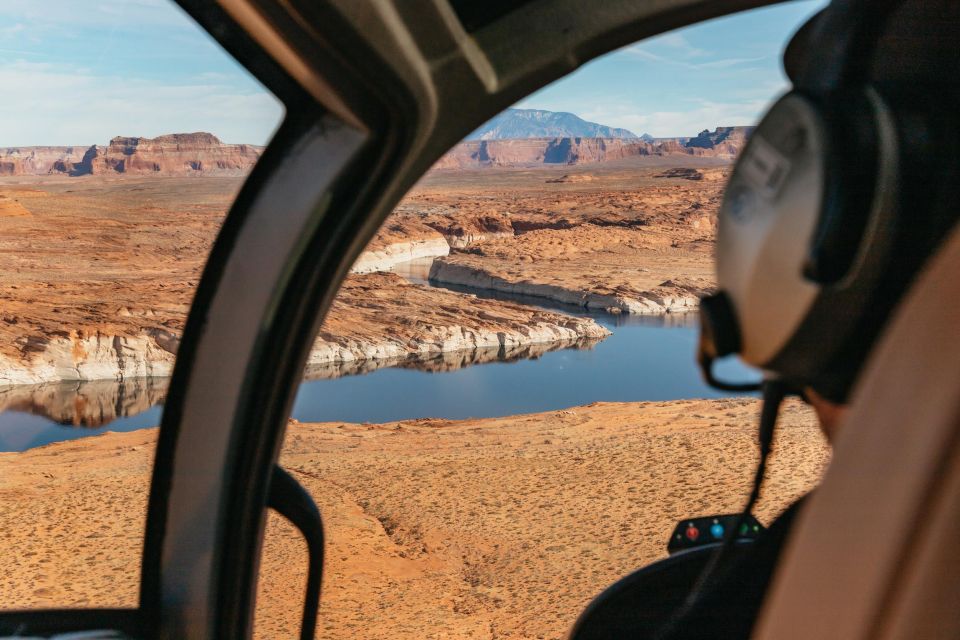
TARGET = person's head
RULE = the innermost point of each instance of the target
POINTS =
(842, 193)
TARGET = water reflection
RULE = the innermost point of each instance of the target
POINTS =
(443, 362)
(646, 358)
(35, 415)
(89, 404)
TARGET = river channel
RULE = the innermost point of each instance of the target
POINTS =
(646, 358)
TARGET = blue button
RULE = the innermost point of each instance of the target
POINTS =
(717, 530)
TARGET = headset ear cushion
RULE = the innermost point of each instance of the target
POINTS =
(852, 165)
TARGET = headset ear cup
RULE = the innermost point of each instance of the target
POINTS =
(841, 193)
(852, 164)
(769, 212)
(853, 223)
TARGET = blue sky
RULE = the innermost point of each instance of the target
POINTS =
(82, 71)
(717, 73)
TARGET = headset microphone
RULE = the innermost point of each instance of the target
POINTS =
(816, 242)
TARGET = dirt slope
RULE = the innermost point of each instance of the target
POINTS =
(495, 528)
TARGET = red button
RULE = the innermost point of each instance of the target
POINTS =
(692, 533)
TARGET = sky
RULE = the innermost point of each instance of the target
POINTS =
(723, 72)
(79, 72)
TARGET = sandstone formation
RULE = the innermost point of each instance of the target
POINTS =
(174, 154)
(595, 268)
(19, 161)
(376, 317)
(537, 151)
(722, 140)
(461, 231)
(383, 317)
(396, 243)
(399, 252)
(503, 527)
(78, 357)
(520, 137)
(635, 240)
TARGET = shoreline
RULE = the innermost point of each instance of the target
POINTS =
(377, 316)
(667, 299)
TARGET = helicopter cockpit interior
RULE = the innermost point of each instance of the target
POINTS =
(837, 269)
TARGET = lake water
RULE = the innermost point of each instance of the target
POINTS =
(646, 358)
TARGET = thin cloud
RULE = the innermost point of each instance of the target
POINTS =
(722, 63)
(13, 29)
(679, 45)
(729, 62)
(66, 106)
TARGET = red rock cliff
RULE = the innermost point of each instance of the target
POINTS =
(16, 161)
(173, 154)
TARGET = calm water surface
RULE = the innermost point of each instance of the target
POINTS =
(644, 359)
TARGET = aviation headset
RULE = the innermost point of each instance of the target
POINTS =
(842, 192)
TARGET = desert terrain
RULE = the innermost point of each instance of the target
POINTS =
(100, 270)
(99, 273)
(102, 250)
(486, 528)
(494, 528)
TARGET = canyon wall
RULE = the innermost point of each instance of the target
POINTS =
(669, 297)
(19, 161)
(723, 142)
(203, 153)
(376, 316)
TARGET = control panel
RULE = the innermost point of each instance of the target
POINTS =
(697, 532)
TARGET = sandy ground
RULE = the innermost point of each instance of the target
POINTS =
(493, 528)
(117, 256)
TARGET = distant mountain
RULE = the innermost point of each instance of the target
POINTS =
(537, 123)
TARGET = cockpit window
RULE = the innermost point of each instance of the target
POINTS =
(501, 414)
(125, 134)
